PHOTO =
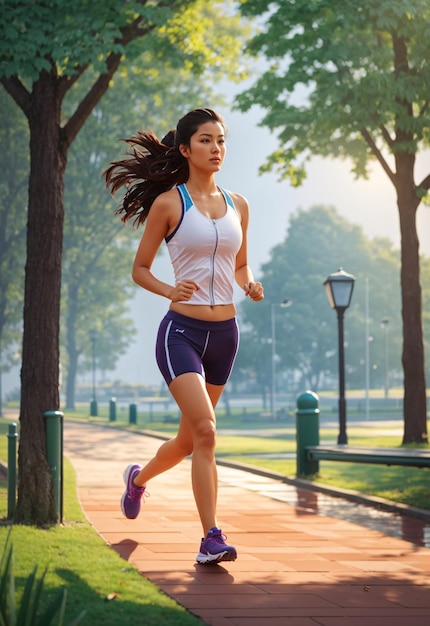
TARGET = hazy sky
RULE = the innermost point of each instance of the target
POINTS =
(370, 203)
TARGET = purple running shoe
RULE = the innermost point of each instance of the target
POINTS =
(214, 549)
(132, 496)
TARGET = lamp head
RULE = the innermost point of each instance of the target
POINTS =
(339, 286)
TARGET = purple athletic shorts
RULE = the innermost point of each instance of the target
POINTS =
(185, 344)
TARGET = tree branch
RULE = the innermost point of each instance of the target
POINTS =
(386, 135)
(66, 82)
(19, 93)
(425, 183)
(100, 86)
(401, 68)
(377, 153)
(93, 96)
(424, 108)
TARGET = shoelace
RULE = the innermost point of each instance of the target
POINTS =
(219, 538)
(135, 493)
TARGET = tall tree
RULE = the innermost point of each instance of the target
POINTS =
(364, 70)
(45, 49)
(13, 211)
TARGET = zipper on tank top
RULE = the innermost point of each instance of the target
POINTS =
(212, 278)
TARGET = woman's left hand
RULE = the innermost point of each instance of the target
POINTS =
(254, 291)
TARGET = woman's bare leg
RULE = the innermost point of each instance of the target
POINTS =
(207, 510)
(197, 401)
(197, 435)
(168, 455)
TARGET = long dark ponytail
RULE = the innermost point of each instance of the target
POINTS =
(154, 166)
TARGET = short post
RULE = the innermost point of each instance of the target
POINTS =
(12, 438)
(54, 453)
(94, 411)
(132, 416)
(112, 409)
(307, 432)
(93, 404)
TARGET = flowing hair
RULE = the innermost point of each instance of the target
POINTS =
(152, 167)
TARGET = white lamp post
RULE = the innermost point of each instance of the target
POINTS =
(93, 404)
(339, 288)
(384, 326)
(284, 304)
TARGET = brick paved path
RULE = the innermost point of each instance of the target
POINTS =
(295, 567)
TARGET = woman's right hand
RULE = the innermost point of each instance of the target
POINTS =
(183, 291)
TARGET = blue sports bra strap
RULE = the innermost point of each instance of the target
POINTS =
(228, 198)
(185, 196)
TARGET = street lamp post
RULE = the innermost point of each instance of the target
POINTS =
(93, 404)
(284, 304)
(339, 288)
(384, 325)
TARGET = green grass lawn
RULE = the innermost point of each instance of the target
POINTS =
(97, 580)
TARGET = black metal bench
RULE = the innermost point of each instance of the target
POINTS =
(412, 457)
(310, 452)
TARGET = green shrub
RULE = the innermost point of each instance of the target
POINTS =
(26, 614)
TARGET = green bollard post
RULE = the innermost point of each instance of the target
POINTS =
(112, 409)
(132, 417)
(54, 454)
(94, 411)
(307, 432)
(12, 438)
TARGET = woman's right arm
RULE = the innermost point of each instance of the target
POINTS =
(161, 220)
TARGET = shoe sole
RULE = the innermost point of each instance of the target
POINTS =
(213, 559)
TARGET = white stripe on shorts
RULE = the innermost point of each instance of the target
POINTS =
(169, 364)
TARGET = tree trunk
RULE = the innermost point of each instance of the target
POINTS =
(414, 403)
(40, 353)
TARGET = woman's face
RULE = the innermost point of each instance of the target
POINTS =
(207, 147)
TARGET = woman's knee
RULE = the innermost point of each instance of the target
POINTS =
(204, 435)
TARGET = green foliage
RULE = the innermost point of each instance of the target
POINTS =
(27, 613)
(40, 34)
(44, 36)
(336, 70)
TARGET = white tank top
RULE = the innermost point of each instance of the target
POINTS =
(205, 249)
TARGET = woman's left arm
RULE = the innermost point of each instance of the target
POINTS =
(243, 274)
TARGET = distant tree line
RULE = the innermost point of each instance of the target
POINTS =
(318, 242)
